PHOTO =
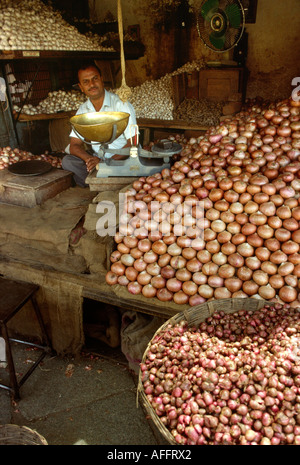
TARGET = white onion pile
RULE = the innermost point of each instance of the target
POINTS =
(9, 156)
(56, 101)
(31, 25)
(234, 379)
(154, 98)
(246, 172)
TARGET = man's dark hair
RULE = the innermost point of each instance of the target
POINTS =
(91, 64)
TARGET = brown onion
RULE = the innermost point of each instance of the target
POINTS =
(285, 269)
(183, 275)
(222, 293)
(111, 278)
(149, 291)
(288, 294)
(275, 222)
(204, 256)
(253, 263)
(118, 268)
(181, 298)
(262, 253)
(267, 292)
(276, 281)
(228, 248)
(250, 287)
(290, 247)
(255, 240)
(260, 277)
(278, 257)
(245, 250)
(282, 234)
(233, 284)
(269, 267)
(205, 291)
(210, 269)
(226, 271)
(244, 273)
(134, 288)
(164, 295)
(236, 260)
(143, 278)
(174, 285)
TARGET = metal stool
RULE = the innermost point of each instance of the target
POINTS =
(13, 296)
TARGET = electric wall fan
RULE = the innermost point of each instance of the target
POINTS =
(220, 23)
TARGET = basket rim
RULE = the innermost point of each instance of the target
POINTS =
(20, 434)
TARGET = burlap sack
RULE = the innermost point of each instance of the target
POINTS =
(137, 329)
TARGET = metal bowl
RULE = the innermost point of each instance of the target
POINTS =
(98, 126)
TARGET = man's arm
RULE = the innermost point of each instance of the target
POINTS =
(122, 157)
(77, 149)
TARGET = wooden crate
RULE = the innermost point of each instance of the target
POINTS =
(29, 191)
(221, 85)
(179, 88)
(215, 84)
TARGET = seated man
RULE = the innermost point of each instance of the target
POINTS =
(79, 161)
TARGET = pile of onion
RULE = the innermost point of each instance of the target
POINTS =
(246, 244)
(9, 156)
(233, 379)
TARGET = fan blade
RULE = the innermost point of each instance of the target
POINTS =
(217, 42)
(208, 8)
(234, 15)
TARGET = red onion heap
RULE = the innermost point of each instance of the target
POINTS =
(245, 242)
(234, 379)
(9, 156)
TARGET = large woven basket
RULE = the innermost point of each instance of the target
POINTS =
(194, 316)
(11, 435)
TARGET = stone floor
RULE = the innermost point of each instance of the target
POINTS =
(90, 399)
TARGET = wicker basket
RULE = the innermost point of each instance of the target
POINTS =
(20, 435)
(194, 316)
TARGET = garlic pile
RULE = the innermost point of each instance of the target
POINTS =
(31, 25)
(154, 98)
(199, 111)
(9, 156)
(56, 101)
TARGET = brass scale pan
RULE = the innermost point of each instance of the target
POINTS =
(100, 126)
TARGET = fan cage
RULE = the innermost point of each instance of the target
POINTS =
(233, 35)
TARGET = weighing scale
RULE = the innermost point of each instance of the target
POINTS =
(102, 128)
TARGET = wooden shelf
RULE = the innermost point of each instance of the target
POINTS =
(170, 124)
(142, 122)
(131, 53)
(45, 116)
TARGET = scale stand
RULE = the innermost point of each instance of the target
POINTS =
(103, 128)
(140, 162)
